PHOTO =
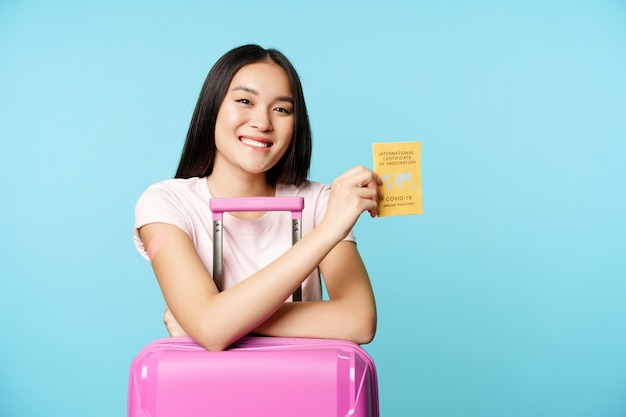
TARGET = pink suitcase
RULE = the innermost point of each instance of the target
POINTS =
(256, 376)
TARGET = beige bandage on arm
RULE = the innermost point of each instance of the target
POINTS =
(156, 244)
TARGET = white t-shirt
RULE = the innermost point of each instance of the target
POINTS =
(249, 245)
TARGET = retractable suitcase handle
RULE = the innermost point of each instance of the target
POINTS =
(219, 206)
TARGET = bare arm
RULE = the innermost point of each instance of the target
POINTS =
(349, 314)
(217, 319)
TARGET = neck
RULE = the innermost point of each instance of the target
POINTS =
(240, 186)
(245, 186)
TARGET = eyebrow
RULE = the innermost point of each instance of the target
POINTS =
(256, 93)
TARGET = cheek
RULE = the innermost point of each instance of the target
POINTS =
(228, 115)
(224, 117)
(287, 129)
(225, 124)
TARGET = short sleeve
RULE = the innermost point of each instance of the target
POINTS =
(158, 204)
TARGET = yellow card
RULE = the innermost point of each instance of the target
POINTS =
(399, 166)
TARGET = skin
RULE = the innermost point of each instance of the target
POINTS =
(257, 110)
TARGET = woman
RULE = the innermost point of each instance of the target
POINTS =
(250, 136)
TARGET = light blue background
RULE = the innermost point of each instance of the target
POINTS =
(506, 298)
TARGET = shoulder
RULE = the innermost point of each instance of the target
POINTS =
(174, 186)
(171, 200)
(310, 190)
(315, 195)
(173, 190)
(180, 202)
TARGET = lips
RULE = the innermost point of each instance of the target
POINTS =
(255, 143)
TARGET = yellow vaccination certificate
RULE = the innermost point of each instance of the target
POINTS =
(399, 166)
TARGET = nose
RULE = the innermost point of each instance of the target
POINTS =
(261, 120)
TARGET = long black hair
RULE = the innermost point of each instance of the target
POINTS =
(198, 154)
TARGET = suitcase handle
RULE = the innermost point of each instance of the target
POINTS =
(220, 205)
(293, 204)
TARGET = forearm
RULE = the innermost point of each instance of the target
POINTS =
(330, 319)
(228, 315)
(350, 313)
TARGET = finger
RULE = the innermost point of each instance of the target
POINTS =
(373, 195)
(372, 179)
(373, 210)
(365, 180)
(369, 200)
(369, 193)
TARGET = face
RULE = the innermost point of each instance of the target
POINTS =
(255, 122)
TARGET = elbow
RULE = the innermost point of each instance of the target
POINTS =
(213, 339)
(364, 335)
(364, 329)
(366, 338)
(212, 345)
(210, 332)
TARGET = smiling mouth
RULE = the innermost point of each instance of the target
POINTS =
(255, 143)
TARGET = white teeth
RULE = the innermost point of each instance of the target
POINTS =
(254, 143)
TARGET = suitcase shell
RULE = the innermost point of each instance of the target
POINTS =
(255, 377)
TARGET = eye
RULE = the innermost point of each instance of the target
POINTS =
(243, 101)
(283, 110)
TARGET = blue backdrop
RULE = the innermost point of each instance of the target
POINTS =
(506, 298)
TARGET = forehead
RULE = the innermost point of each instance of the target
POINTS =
(264, 77)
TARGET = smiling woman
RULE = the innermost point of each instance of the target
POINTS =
(257, 113)
(250, 137)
